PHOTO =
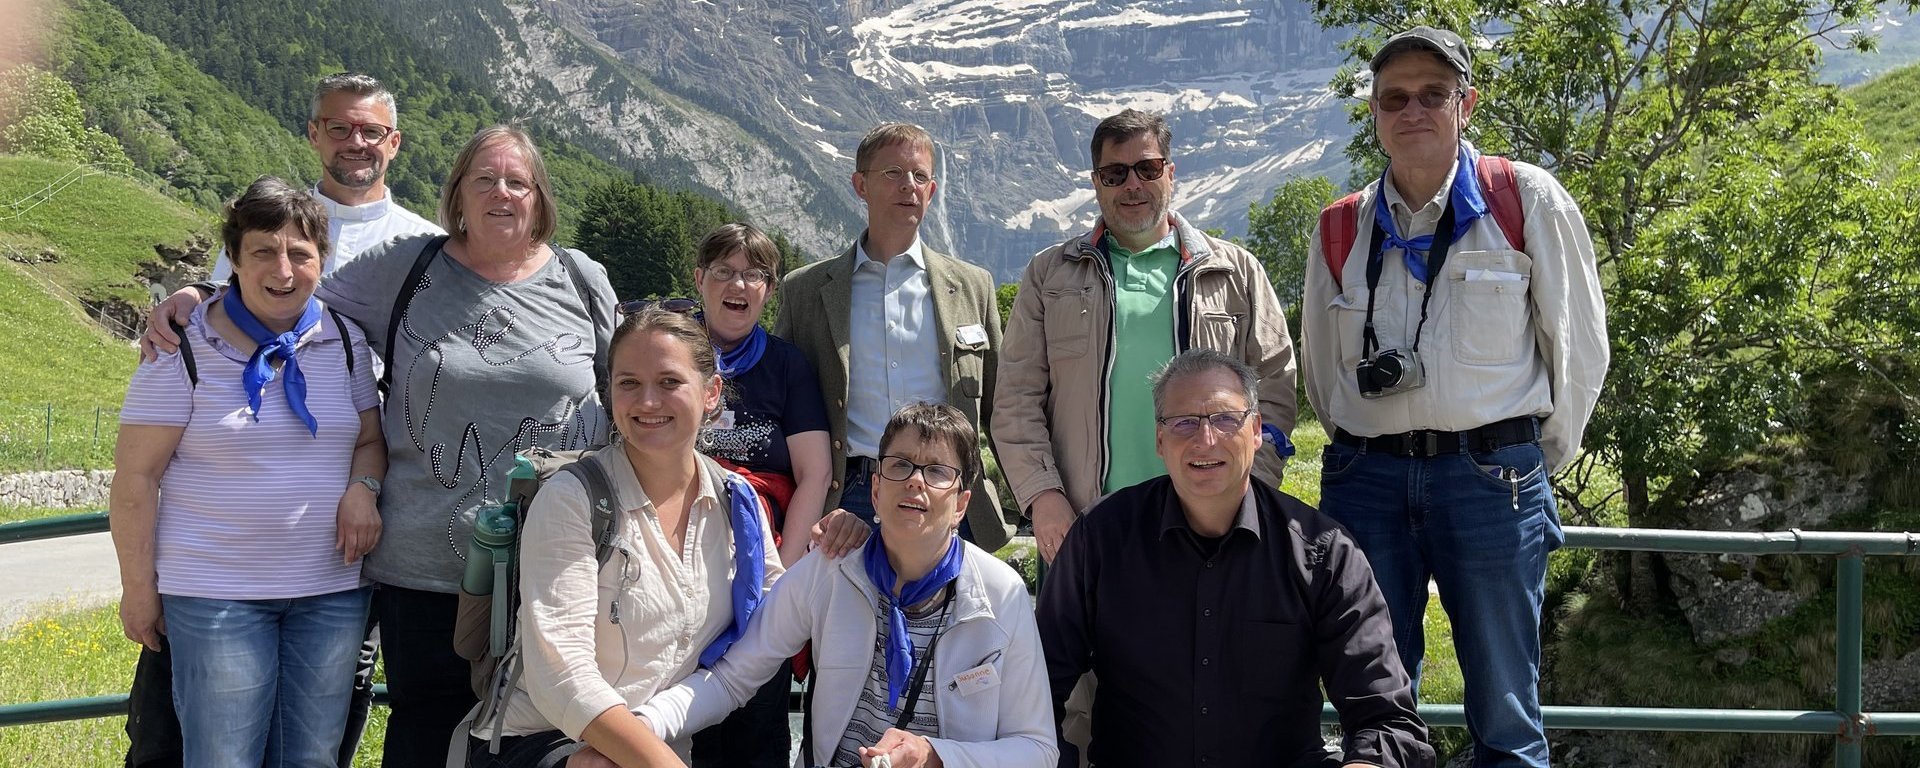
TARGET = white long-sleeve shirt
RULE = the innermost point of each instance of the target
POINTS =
(1508, 334)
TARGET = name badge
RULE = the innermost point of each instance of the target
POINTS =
(975, 680)
(971, 335)
(724, 420)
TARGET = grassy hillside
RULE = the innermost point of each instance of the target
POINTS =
(173, 120)
(1891, 113)
(65, 376)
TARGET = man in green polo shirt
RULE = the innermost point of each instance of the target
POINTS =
(1073, 415)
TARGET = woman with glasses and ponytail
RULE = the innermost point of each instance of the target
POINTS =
(244, 498)
(925, 651)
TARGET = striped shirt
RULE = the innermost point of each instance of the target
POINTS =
(871, 718)
(247, 509)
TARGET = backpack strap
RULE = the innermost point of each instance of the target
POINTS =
(186, 354)
(1339, 227)
(1502, 189)
(602, 339)
(600, 497)
(346, 339)
(408, 287)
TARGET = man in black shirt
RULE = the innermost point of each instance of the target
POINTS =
(1212, 608)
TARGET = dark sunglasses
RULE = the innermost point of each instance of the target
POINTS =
(1115, 175)
(1431, 98)
(679, 305)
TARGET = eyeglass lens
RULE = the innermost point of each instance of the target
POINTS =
(339, 130)
(725, 274)
(1431, 98)
(937, 475)
(1115, 175)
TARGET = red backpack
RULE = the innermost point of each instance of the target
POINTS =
(1340, 222)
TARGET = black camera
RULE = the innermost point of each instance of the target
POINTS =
(1390, 372)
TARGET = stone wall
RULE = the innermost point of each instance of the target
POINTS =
(66, 488)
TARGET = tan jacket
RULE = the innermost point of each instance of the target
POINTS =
(1050, 414)
(816, 306)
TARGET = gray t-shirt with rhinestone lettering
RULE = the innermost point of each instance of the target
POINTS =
(481, 371)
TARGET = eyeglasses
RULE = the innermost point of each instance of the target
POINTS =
(676, 305)
(896, 174)
(722, 273)
(1226, 422)
(1115, 175)
(481, 184)
(340, 130)
(1431, 98)
(898, 469)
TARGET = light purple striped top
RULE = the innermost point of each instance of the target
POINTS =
(247, 508)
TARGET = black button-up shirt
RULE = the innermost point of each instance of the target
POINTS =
(1215, 656)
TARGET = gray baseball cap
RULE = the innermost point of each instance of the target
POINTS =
(1447, 44)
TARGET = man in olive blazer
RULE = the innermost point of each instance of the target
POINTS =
(888, 277)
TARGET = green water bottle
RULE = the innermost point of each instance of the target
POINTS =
(494, 527)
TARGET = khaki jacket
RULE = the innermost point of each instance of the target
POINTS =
(1050, 413)
(816, 306)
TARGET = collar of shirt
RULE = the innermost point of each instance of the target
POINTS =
(1173, 517)
(630, 495)
(322, 331)
(1410, 220)
(363, 212)
(915, 254)
(1171, 241)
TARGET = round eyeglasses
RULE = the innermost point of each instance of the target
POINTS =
(898, 469)
(721, 273)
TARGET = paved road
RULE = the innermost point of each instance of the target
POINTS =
(39, 576)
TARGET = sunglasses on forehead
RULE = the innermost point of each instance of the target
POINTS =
(678, 305)
(1115, 174)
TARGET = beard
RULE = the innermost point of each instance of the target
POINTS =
(1145, 221)
(357, 178)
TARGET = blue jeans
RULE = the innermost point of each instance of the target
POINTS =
(264, 682)
(1480, 525)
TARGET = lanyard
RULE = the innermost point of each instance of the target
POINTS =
(926, 661)
(1376, 263)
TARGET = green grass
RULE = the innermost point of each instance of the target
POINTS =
(65, 376)
(75, 654)
(1895, 121)
(13, 513)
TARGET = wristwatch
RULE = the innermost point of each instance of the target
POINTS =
(372, 483)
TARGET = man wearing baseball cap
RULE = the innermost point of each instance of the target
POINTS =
(1454, 342)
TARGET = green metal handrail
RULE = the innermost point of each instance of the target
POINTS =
(1846, 722)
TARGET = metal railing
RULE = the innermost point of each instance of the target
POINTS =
(1846, 722)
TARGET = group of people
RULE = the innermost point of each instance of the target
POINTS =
(304, 449)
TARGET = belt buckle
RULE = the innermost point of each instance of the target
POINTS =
(1426, 444)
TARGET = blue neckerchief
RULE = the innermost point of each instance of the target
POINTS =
(1468, 206)
(269, 345)
(749, 564)
(894, 636)
(744, 355)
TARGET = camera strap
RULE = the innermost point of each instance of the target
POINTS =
(926, 663)
(1376, 263)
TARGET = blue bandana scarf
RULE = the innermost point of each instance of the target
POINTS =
(1468, 206)
(744, 356)
(749, 564)
(269, 346)
(899, 645)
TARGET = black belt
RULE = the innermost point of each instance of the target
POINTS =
(1421, 443)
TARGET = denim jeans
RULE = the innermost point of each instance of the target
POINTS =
(1480, 525)
(264, 682)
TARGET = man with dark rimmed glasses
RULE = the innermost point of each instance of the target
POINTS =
(1098, 313)
(1454, 342)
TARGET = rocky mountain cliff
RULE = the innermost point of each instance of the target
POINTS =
(1011, 88)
